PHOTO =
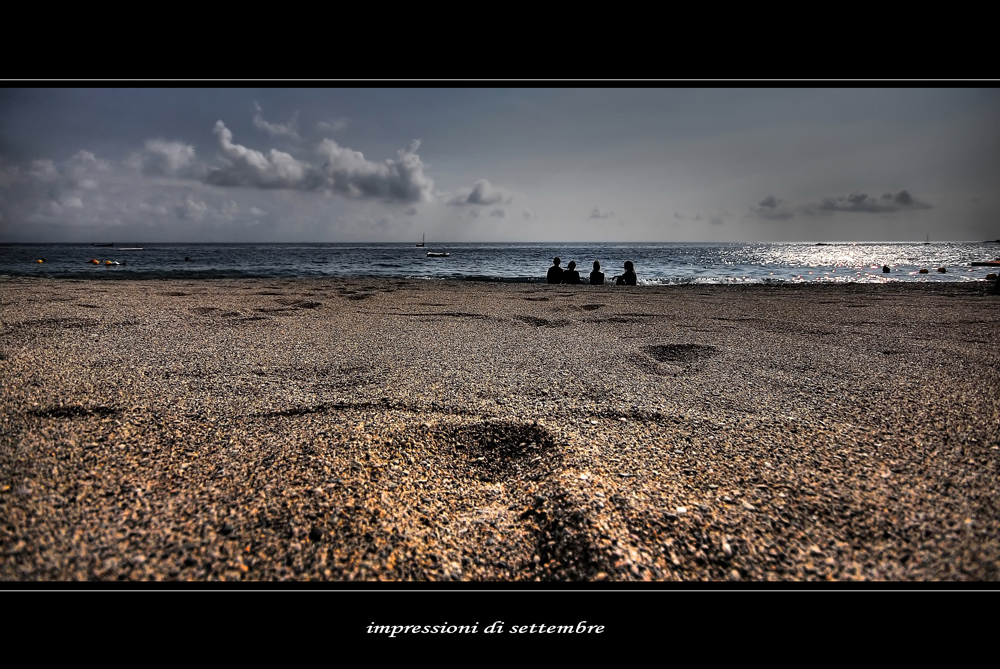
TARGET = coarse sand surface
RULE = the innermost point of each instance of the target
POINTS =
(408, 430)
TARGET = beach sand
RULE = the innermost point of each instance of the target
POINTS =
(457, 431)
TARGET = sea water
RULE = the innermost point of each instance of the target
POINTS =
(655, 263)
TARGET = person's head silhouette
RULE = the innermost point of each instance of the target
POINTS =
(571, 266)
(556, 261)
(597, 265)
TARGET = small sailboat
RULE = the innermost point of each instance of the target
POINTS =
(422, 239)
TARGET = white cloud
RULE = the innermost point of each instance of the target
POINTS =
(191, 208)
(347, 171)
(332, 125)
(247, 167)
(289, 130)
(172, 159)
(597, 213)
(343, 171)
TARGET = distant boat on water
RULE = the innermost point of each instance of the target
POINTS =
(928, 240)
(432, 254)
(102, 244)
(422, 239)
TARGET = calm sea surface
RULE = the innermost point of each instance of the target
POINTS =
(655, 263)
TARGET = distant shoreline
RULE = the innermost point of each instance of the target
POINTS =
(970, 287)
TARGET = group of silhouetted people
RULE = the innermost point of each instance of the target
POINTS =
(557, 274)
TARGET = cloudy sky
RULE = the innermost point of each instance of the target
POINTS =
(330, 164)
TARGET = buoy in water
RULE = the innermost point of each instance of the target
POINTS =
(39, 260)
(922, 271)
(885, 269)
(942, 270)
(95, 261)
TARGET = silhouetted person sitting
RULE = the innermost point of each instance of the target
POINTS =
(597, 276)
(628, 278)
(570, 274)
(555, 272)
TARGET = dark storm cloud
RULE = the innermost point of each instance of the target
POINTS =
(772, 208)
(859, 202)
(776, 209)
(481, 193)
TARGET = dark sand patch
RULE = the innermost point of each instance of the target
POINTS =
(544, 322)
(500, 451)
(681, 352)
(74, 411)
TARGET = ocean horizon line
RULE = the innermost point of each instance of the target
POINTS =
(513, 243)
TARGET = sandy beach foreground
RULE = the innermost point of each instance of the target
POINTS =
(442, 431)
